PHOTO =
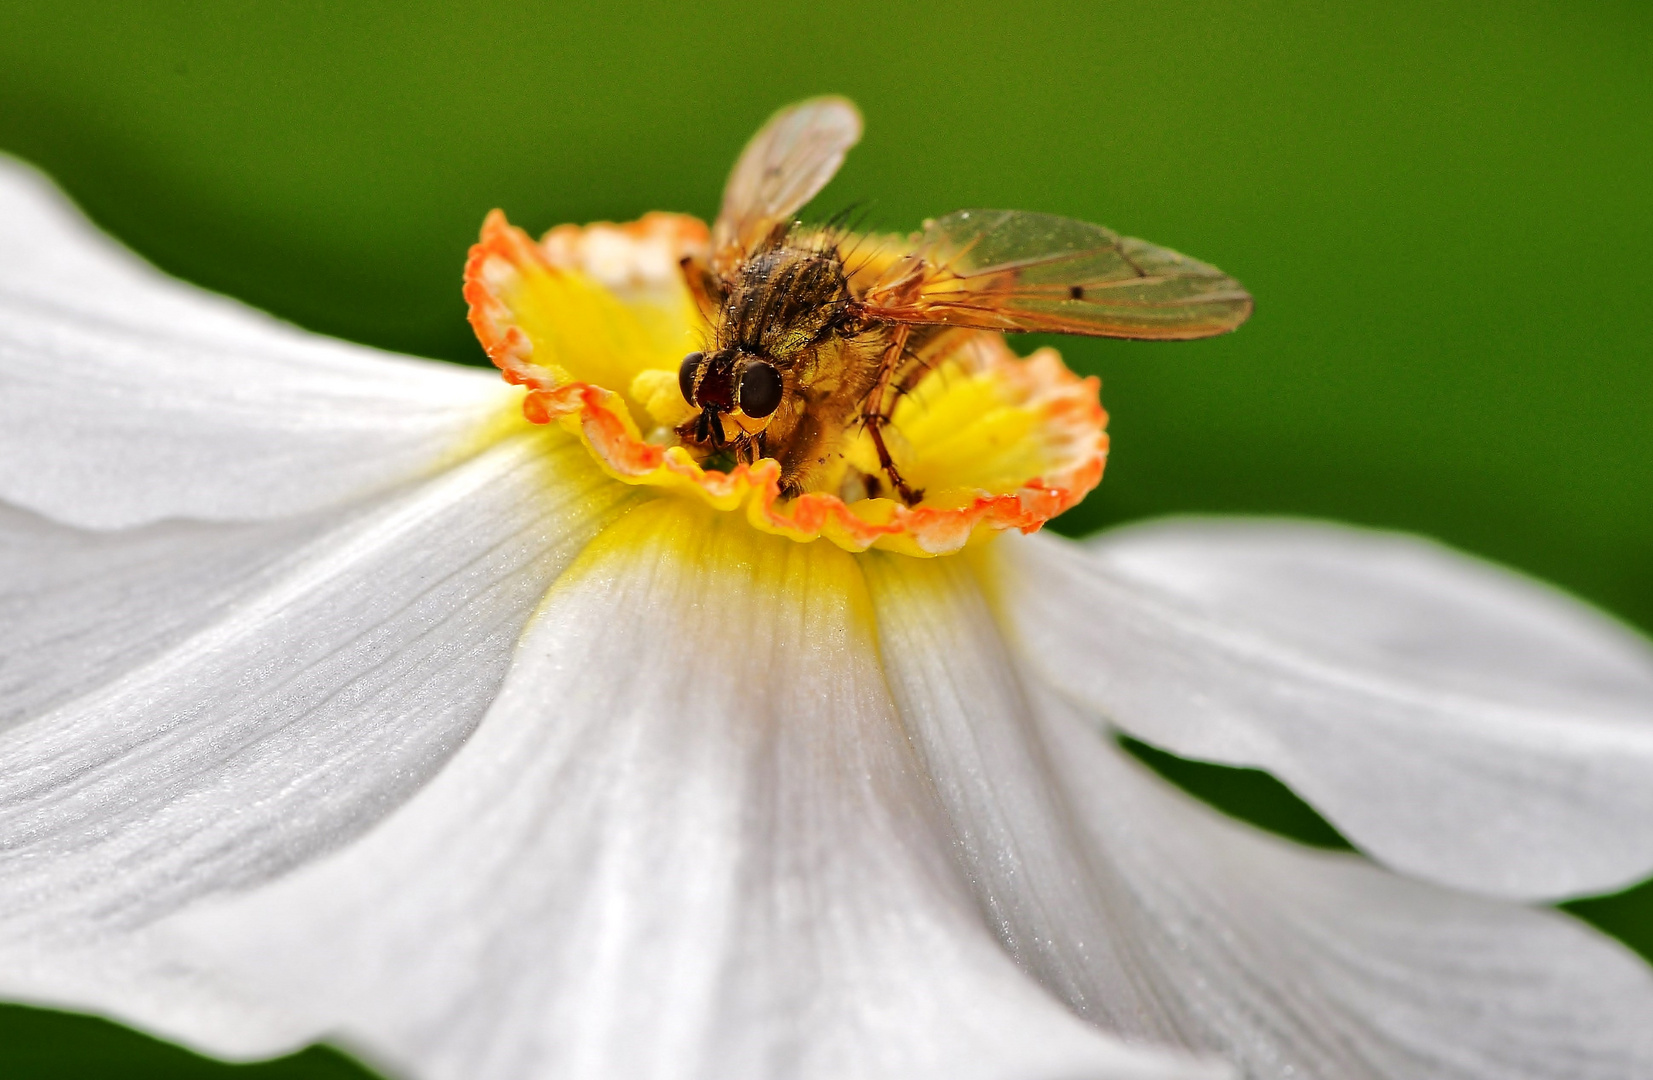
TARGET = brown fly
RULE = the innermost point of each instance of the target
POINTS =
(816, 330)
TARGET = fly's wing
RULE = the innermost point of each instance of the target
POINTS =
(1013, 270)
(790, 159)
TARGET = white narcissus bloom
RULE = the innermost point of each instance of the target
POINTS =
(339, 701)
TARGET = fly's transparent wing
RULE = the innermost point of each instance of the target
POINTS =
(1014, 270)
(790, 159)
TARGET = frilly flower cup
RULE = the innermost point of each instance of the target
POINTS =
(596, 321)
(497, 732)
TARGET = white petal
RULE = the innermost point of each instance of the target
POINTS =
(77, 608)
(247, 697)
(1160, 919)
(1457, 721)
(688, 840)
(127, 397)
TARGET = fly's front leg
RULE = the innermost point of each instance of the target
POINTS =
(704, 286)
(879, 401)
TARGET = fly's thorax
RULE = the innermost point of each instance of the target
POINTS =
(786, 300)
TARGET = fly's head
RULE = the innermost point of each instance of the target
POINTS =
(736, 392)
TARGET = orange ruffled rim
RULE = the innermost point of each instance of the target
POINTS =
(604, 421)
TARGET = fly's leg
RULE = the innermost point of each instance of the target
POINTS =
(908, 494)
(879, 401)
(913, 354)
(704, 286)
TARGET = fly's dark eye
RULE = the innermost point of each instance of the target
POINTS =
(686, 374)
(759, 389)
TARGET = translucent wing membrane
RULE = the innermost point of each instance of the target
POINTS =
(784, 165)
(1014, 270)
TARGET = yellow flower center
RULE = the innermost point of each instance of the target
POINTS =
(595, 322)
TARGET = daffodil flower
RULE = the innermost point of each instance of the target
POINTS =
(472, 725)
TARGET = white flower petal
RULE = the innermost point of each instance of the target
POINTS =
(127, 397)
(688, 840)
(79, 608)
(1160, 919)
(1455, 720)
(251, 698)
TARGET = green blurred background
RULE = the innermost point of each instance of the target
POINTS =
(1444, 208)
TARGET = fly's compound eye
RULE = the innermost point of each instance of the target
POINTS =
(759, 389)
(686, 374)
